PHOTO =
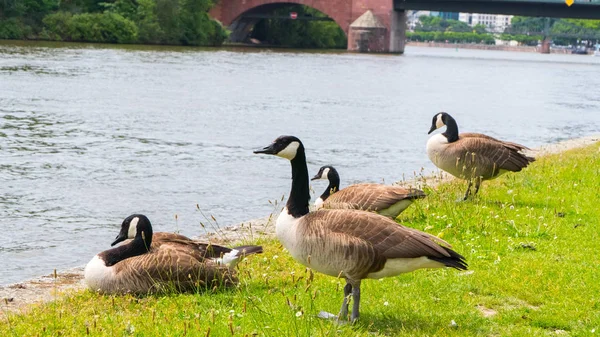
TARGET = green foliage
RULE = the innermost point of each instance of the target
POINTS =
(127, 8)
(149, 29)
(436, 24)
(182, 22)
(299, 33)
(57, 25)
(586, 24)
(562, 31)
(528, 40)
(87, 27)
(452, 37)
(529, 25)
(27, 9)
(479, 29)
(14, 29)
(530, 238)
(195, 25)
(432, 28)
(113, 21)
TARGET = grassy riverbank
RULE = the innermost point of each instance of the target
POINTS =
(530, 240)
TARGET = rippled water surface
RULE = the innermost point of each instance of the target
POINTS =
(90, 133)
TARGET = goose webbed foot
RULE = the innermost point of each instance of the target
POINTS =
(333, 317)
(352, 288)
(344, 309)
(356, 302)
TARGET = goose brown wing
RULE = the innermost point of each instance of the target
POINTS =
(370, 197)
(490, 155)
(193, 247)
(387, 238)
(516, 146)
(199, 250)
(171, 267)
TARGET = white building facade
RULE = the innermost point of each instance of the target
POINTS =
(494, 23)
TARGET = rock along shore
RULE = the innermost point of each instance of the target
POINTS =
(18, 296)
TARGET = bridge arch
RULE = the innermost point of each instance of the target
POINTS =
(230, 12)
(381, 30)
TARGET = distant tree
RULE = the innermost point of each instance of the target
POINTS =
(458, 26)
(528, 25)
(436, 24)
(480, 28)
(149, 29)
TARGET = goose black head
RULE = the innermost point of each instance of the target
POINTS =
(137, 227)
(284, 146)
(439, 120)
(325, 172)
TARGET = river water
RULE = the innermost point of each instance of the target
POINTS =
(90, 134)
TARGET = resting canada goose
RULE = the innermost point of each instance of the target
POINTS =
(352, 244)
(156, 262)
(472, 156)
(383, 199)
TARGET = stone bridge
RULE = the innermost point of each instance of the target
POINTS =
(370, 25)
(380, 25)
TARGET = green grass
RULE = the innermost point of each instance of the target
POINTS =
(531, 240)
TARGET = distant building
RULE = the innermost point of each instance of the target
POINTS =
(412, 18)
(448, 15)
(494, 23)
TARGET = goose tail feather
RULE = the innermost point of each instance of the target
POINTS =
(455, 260)
(232, 258)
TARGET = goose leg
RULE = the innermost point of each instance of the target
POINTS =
(347, 291)
(356, 301)
(468, 189)
(477, 184)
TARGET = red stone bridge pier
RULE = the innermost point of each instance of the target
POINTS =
(370, 25)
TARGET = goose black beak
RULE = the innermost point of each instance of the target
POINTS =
(119, 238)
(316, 177)
(433, 128)
(267, 150)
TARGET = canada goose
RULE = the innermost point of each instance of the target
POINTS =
(352, 244)
(383, 199)
(472, 156)
(155, 262)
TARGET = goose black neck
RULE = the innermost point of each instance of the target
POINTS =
(297, 203)
(138, 246)
(334, 184)
(451, 129)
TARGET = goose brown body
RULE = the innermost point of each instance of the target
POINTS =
(357, 245)
(349, 243)
(384, 199)
(168, 266)
(371, 197)
(157, 262)
(473, 156)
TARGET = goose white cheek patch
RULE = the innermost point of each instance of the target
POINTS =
(325, 173)
(133, 227)
(290, 151)
(438, 122)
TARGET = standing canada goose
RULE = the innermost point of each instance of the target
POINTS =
(352, 244)
(384, 199)
(472, 156)
(157, 262)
